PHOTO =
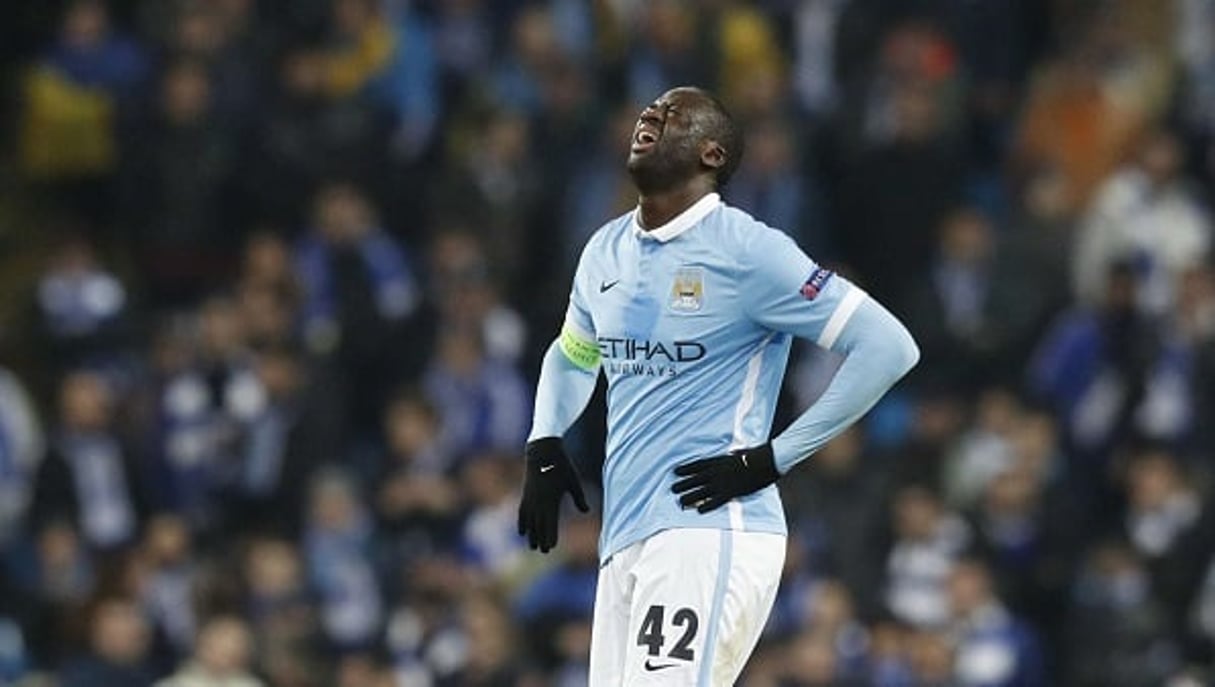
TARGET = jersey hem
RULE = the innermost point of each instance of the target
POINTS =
(624, 541)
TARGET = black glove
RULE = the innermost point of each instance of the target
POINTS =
(548, 477)
(709, 483)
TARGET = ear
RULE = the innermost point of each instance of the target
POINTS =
(712, 155)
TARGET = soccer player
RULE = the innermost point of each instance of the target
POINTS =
(689, 307)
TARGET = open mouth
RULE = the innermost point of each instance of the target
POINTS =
(645, 137)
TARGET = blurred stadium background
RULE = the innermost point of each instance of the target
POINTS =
(277, 274)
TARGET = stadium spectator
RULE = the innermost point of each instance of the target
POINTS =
(815, 31)
(556, 606)
(993, 646)
(78, 92)
(1093, 369)
(932, 658)
(1117, 631)
(304, 138)
(268, 316)
(973, 310)
(1193, 43)
(61, 571)
(356, 279)
(387, 58)
(266, 264)
(890, 244)
(829, 613)
(467, 294)
(483, 402)
(515, 83)
(839, 515)
(56, 576)
(359, 290)
(1040, 232)
(286, 440)
(1148, 215)
(1168, 526)
(463, 43)
(888, 661)
(337, 548)
(418, 501)
(667, 51)
(490, 657)
(928, 540)
(811, 661)
(268, 292)
(1015, 529)
(1084, 109)
(746, 50)
(598, 188)
(985, 449)
(88, 477)
(487, 541)
(82, 307)
(224, 37)
(281, 612)
(423, 637)
(21, 449)
(411, 427)
(118, 647)
(177, 174)
(798, 580)
(364, 670)
(932, 425)
(220, 659)
(203, 413)
(496, 185)
(569, 118)
(771, 185)
(1192, 326)
(168, 581)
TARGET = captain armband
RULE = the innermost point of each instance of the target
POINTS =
(581, 350)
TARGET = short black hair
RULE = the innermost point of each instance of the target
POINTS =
(722, 127)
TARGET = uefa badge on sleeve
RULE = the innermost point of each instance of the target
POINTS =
(688, 289)
(816, 283)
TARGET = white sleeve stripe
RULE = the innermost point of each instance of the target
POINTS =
(839, 319)
(578, 330)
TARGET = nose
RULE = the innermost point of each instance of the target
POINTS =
(653, 113)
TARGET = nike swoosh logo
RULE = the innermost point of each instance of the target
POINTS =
(546, 468)
(604, 286)
(650, 667)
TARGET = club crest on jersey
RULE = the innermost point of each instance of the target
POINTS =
(688, 289)
(815, 283)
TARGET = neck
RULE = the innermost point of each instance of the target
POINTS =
(660, 207)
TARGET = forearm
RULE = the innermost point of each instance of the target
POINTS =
(878, 351)
(561, 395)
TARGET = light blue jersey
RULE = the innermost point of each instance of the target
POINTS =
(692, 324)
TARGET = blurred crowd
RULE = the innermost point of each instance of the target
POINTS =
(278, 274)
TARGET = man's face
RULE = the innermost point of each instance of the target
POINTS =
(343, 215)
(667, 141)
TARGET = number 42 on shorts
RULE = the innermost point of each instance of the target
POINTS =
(651, 635)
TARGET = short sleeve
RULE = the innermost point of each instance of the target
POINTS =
(785, 291)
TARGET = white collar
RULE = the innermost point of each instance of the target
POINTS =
(681, 222)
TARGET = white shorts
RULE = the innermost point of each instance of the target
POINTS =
(685, 607)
